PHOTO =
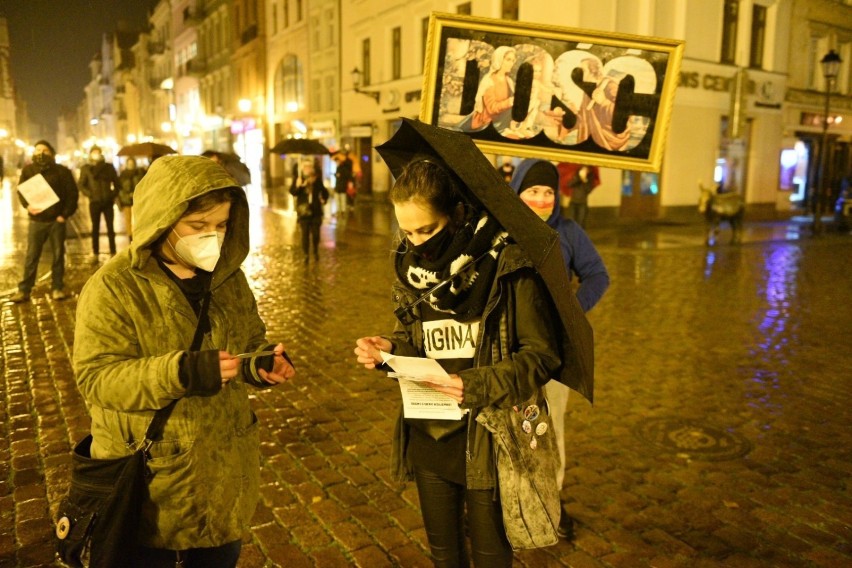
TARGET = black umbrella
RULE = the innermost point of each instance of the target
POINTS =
(299, 146)
(539, 242)
(232, 164)
(148, 149)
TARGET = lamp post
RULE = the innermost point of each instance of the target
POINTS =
(356, 84)
(830, 68)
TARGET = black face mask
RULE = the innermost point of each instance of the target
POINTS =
(42, 161)
(435, 246)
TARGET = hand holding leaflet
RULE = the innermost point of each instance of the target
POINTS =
(419, 400)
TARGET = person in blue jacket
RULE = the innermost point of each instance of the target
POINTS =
(536, 182)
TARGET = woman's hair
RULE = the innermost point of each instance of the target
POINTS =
(429, 183)
(204, 202)
(211, 199)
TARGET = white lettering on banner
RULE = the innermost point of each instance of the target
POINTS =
(450, 339)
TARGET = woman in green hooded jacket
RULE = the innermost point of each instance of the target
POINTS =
(136, 319)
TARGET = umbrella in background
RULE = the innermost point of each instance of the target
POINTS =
(146, 149)
(232, 164)
(541, 243)
(300, 146)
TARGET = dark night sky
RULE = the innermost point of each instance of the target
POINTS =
(53, 42)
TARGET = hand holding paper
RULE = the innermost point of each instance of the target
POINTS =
(427, 390)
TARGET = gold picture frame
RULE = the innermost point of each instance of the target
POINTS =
(551, 92)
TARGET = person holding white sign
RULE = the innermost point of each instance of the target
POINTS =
(466, 296)
(47, 224)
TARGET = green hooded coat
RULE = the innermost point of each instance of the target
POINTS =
(133, 325)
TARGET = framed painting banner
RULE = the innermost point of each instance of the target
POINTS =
(549, 92)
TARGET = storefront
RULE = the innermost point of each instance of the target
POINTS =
(726, 131)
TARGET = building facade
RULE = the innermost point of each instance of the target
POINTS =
(242, 75)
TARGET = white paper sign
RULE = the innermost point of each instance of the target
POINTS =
(421, 401)
(38, 193)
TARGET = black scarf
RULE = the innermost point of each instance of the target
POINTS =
(468, 262)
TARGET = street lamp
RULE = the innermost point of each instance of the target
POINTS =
(356, 84)
(830, 68)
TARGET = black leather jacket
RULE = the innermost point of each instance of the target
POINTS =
(516, 354)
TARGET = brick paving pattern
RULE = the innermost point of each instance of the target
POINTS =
(720, 434)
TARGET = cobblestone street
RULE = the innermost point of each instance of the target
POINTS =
(720, 433)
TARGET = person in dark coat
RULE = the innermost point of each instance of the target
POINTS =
(581, 185)
(536, 183)
(342, 178)
(47, 225)
(129, 178)
(311, 196)
(99, 182)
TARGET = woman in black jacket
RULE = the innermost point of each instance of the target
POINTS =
(311, 196)
(490, 327)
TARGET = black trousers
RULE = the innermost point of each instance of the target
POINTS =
(224, 556)
(443, 505)
(96, 209)
(310, 227)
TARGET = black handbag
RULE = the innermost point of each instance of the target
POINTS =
(99, 518)
(98, 521)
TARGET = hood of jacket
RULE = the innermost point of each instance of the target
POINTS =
(161, 199)
(520, 174)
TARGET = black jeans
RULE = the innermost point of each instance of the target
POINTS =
(310, 227)
(579, 212)
(38, 233)
(96, 208)
(224, 556)
(443, 505)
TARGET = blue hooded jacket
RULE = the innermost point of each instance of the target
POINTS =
(581, 257)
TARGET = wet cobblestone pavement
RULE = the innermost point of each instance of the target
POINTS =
(720, 435)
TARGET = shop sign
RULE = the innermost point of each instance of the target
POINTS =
(243, 125)
(764, 88)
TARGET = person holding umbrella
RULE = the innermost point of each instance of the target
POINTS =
(311, 196)
(468, 297)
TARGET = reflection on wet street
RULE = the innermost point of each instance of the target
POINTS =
(719, 436)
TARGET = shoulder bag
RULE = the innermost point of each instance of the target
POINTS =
(527, 460)
(98, 520)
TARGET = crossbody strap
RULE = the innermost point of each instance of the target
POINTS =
(155, 429)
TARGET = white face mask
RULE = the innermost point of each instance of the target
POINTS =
(200, 250)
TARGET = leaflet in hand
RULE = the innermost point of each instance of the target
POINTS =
(419, 400)
(38, 193)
